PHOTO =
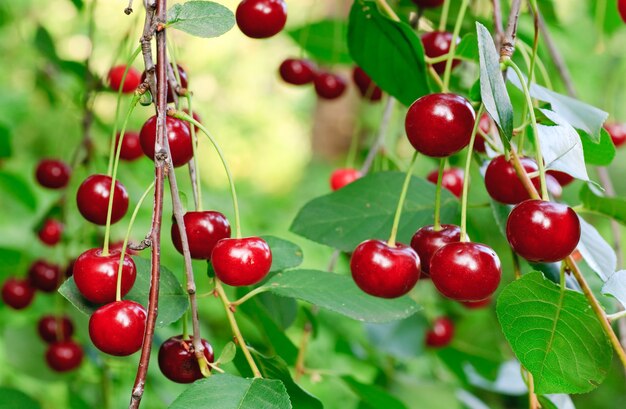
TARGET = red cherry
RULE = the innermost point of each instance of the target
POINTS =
(183, 80)
(131, 146)
(384, 271)
(204, 230)
(342, 177)
(52, 173)
(117, 246)
(261, 18)
(297, 71)
(92, 199)
(617, 132)
(428, 3)
(178, 137)
(426, 241)
(621, 7)
(17, 293)
(563, 178)
(178, 362)
(554, 187)
(366, 86)
(474, 305)
(328, 85)
(543, 231)
(44, 276)
(502, 182)
(440, 125)
(441, 333)
(484, 125)
(51, 231)
(117, 328)
(64, 356)
(95, 275)
(131, 82)
(53, 328)
(436, 44)
(465, 271)
(240, 262)
(452, 179)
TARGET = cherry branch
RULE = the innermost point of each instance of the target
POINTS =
(497, 23)
(508, 42)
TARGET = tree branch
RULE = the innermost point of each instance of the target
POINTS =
(508, 43)
(497, 23)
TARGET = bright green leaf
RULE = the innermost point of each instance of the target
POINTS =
(205, 19)
(467, 48)
(374, 396)
(324, 41)
(12, 398)
(16, 189)
(599, 153)
(614, 207)
(228, 354)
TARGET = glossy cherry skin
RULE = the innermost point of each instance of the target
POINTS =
(17, 293)
(341, 177)
(502, 182)
(617, 132)
(440, 125)
(465, 271)
(474, 305)
(50, 233)
(261, 18)
(52, 328)
(563, 178)
(621, 7)
(131, 146)
(543, 232)
(426, 241)
(52, 173)
(184, 82)
(428, 3)
(178, 137)
(441, 333)
(436, 44)
(131, 82)
(452, 179)
(117, 328)
(367, 88)
(297, 71)
(384, 271)
(63, 356)
(178, 362)
(329, 86)
(44, 276)
(95, 275)
(204, 230)
(484, 124)
(92, 199)
(241, 262)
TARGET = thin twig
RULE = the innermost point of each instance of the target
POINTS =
(508, 43)
(300, 367)
(380, 138)
(497, 22)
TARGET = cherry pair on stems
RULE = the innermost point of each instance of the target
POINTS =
(299, 72)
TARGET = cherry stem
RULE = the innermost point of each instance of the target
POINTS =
(444, 15)
(195, 169)
(466, 175)
(300, 367)
(249, 295)
(455, 36)
(437, 223)
(618, 315)
(405, 187)
(379, 143)
(387, 9)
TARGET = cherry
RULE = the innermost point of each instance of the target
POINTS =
(64, 356)
(95, 275)
(473, 305)
(117, 246)
(384, 271)
(240, 262)
(92, 199)
(428, 3)
(44, 276)
(52, 173)
(131, 82)
(328, 85)
(426, 241)
(465, 271)
(621, 7)
(441, 333)
(261, 18)
(178, 137)
(184, 82)
(553, 185)
(297, 71)
(440, 125)
(436, 44)
(17, 293)
(563, 178)
(452, 179)
(502, 182)
(366, 86)
(617, 132)
(204, 230)
(484, 125)
(117, 328)
(50, 233)
(53, 328)
(543, 231)
(178, 362)
(342, 177)
(131, 146)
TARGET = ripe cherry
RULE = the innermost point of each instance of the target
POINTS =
(52, 173)
(44, 276)
(131, 146)
(328, 85)
(441, 333)
(183, 80)
(53, 328)
(428, 3)
(117, 328)
(543, 231)
(474, 305)
(51, 231)
(240, 262)
(178, 362)
(261, 18)
(563, 178)
(342, 177)
(384, 271)
(367, 88)
(621, 7)
(178, 137)
(17, 293)
(436, 44)
(465, 271)
(92, 199)
(502, 182)
(131, 82)
(426, 241)
(297, 71)
(204, 230)
(452, 179)
(64, 356)
(95, 275)
(440, 125)
(617, 132)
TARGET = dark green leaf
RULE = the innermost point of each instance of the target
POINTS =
(45, 44)
(12, 399)
(282, 310)
(15, 188)
(5, 142)
(79, 4)
(614, 207)
(201, 18)
(598, 153)
(374, 396)
(324, 41)
(285, 254)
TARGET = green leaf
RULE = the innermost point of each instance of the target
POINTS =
(616, 287)
(285, 254)
(365, 209)
(230, 392)
(228, 354)
(45, 44)
(556, 401)
(401, 339)
(599, 153)
(79, 4)
(614, 207)
(5, 142)
(374, 396)
(205, 19)
(596, 252)
(555, 335)
(12, 398)
(467, 48)
(338, 293)
(492, 88)
(389, 51)
(324, 41)
(15, 188)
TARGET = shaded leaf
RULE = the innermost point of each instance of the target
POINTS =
(325, 41)
(14, 188)
(201, 18)
(228, 354)
(598, 254)
(285, 254)
(374, 396)
(5, 142)
(467, 47)
(616, 287)
(614, 207)
(12, 398)
(45, 44)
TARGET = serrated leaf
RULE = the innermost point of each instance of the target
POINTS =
(12, 398)
(596, 252)
(614, 207)
(598, 153)
(555, 335)
(615, 286)
(325, 41)
(228, 354)
(374, 396)
(205, 19)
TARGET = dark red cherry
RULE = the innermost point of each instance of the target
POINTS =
(342, 177)
(117, 328)
(52, 173)
(44, 276)
(465, 271)
(426, 241)
(474, 305)
(543, 231)
(484, 125)
(63, 356)
(297, 71)
(131, 82)
(452, 179)
(178, 137)
(17, 293)
(436, 44)
(328, 85)
(240, 262)
(617, 132)
(440, 125)
(178, 362)
(261, 18)
(183, 80)
(621, 7)
(131, 146)
(204, 230)
(428, 3)
(95, 275)
(367, 88)
(563, 178)
(92, 199)
(51, 231)
(502, 182)
(54, 328)
(384, 271)
(441, 333)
